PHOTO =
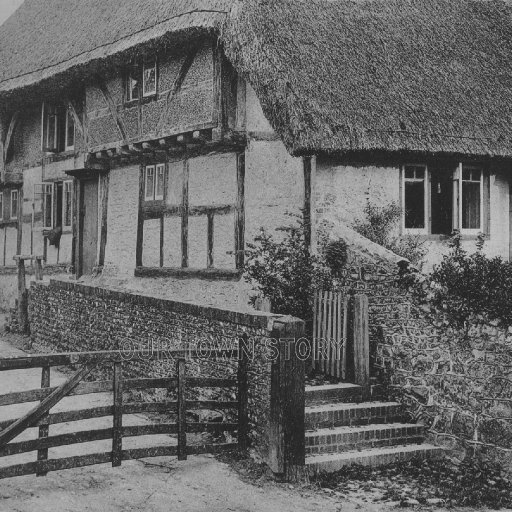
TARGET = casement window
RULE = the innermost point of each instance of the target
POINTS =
(132, 84)
(58, 129)
(437, 199)
(154, 182)
(149, 77)
(57, 204)
(14, 204)
(1, 205)
(142, 80)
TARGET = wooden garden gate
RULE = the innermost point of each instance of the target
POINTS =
(87, 362)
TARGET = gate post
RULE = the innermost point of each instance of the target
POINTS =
(22, 295)
(361, 343)
(287, 451)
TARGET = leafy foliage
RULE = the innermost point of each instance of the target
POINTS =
(472, 483)
(285, 271)
(468, 285)
(380, 225)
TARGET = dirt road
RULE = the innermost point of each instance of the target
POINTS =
(201, 483)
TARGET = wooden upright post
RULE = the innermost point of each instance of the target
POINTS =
(44, 428)
(117, 430)
(182, 410)
(22, 296)
(287, 451)
(361, 343)
(243, 395)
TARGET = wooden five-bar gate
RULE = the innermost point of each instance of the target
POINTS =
(87, 362)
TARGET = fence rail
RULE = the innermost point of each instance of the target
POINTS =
(40, 416)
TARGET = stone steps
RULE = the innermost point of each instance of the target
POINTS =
(332, 393)
(344, 439)
(347, 414)
(329, 463)
(342, 430)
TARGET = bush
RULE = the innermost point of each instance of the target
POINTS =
(380, 225)
(286, 272)
(465, 285)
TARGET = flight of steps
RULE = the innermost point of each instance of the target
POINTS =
(342, 430)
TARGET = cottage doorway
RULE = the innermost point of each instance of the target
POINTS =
(441, 196)
(88, 225)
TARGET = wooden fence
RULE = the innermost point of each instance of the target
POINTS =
(49, 396)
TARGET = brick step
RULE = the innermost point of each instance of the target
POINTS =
(374, 457)
(343, 392)
(347, 414)
(345, 439)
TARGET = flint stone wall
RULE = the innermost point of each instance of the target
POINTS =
(69, 316)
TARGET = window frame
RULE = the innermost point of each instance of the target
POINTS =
(14, 215)
(67, 146)
(416, 231)
(152, 196)
(131, 72)
(461, 168)
(457, 180)
(44, 187)
(1, 205)
(145, 66)
(65, 184)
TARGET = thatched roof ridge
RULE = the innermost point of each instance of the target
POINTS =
(380, 75)
(47, 37)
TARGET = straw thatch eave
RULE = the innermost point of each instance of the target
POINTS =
(413, 76)
(49, 39)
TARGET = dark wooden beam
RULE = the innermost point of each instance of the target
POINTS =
(307, 166)
(80, 126)
(104, 184)
(140, 221)
(184, 216)
(210, 241)
(240, 213)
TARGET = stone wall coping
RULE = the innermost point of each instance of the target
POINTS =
(258, 319)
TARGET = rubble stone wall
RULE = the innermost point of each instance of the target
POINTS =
(69, 316)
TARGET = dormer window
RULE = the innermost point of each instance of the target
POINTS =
(58, 129)
(142, 80)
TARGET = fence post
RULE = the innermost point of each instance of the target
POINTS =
(243, 394)
(22, 296)
(44, 428)
(182, 410)
(287, 451)
(117, 431)
(361, 343)
(39, 268)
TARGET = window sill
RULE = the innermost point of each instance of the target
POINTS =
(444, 238)
(209, 274)
(143, 101)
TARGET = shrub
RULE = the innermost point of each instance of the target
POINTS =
(466, 285)
(286, 272)
(380, 225)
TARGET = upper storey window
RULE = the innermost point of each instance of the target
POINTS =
(142, 80)
(58, 129)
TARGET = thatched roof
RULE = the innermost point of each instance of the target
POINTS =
(47, 37)
(380, 75)
(332, 75)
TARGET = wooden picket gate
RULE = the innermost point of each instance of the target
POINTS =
(330, 326)
(48, 397)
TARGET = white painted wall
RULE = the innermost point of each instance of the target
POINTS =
(345, 189)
